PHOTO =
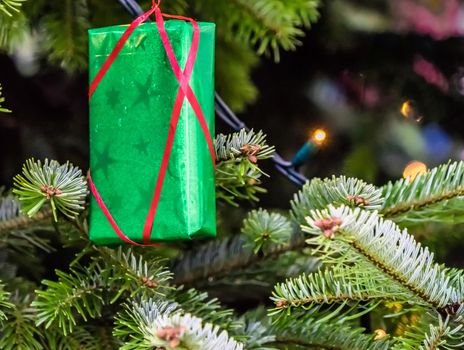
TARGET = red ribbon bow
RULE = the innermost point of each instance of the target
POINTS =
(185, 91)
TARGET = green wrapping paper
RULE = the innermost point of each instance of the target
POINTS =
(130, 113)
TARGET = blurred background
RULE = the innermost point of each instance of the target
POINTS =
(380, 81)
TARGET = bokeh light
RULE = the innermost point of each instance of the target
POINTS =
(380, 334)
(413, 169)
(406, 109)
(319, 136)
(409, 110)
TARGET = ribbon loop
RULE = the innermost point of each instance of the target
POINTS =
(184, 91)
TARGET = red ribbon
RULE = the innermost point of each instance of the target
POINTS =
(184, 91)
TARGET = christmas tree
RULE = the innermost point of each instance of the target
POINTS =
(342, 269)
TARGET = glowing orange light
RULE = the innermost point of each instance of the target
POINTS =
(413, 169)
(319, 136)
(380, 334)
(407, 109)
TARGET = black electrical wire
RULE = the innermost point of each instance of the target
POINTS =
(223, 111)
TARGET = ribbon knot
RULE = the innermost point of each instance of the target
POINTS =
(184, 91)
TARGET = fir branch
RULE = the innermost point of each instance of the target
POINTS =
(22, 242)
(132, 321)
(268, 25)
(9, 207)
(318, 194)
(78, 292)
(23, 249)
(63, 186)
(381, 244)
(235, 62)
(243, 144)
(85, 290)
(104, 338)
(457, 281)
(435, 195)
(21, 222)
(237, 172)
(432, 333)
(154, 324)
(82, 337)
(12, 220)
(133, 273)
(331, 286)
(257, 330)
(22, 238)
(65, 29)
(4, 303)
(310, 333)
(2, 99)
(12, 30)
(218, 257)
(10, 7)
(20, 332)
(208, 309)
(266, 229)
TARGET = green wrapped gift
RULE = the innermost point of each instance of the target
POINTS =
(130, 112)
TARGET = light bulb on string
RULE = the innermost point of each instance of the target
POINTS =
(319, 136)
(410, 111)
(413, 169)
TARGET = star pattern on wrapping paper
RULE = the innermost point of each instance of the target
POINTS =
(101, 46)
(112, 97)
(107, 44)
(143, 91)
(104, 160)
(115, 200)
(142, 146)
(143, 204)
(141, 41)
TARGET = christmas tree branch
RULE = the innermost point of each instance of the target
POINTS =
(4, 303)
(10, 7)
(336, 191)
(435, 195)
(85, 290)
(331, 286)
(208, 309)
(266, 230)
(215, 258)
(237, 171)
(80, 291)
(430, 333)
(133, 273)
(17, 230)
(269, 25)
(22, 222)
(155, 324)
(62, 186)
(381, 245)
(13, 26)
(83, 337)
(20, 332)
(323, 335)
(66, 28)
(236, 64)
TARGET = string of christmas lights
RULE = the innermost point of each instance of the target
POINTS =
(287, 168)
